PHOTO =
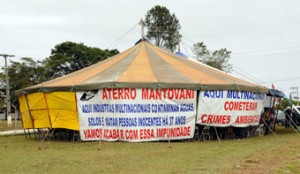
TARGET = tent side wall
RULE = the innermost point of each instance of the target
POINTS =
(49, 110)
(25, 114)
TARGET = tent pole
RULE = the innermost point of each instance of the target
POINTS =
(48, 112)
(217, 134)
(269, 127)
(30, 115)
(142, 23)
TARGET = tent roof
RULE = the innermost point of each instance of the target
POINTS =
(275, 93)
(146, 66)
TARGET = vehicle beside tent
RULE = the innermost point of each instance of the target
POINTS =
(295, 117)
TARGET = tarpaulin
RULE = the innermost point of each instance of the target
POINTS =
(49, 110)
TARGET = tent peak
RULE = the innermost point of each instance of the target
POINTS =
(144, 39)
(142, 23)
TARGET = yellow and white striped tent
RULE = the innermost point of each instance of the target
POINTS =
(52, 104)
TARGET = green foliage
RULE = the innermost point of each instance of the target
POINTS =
(68, 57)
(285, 102)
(218, 59)
(22, 74)
(25, 73)
(163, 27)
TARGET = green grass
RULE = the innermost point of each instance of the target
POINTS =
(269, 154)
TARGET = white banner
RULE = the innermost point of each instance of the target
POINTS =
(129, 114)
(229, 108)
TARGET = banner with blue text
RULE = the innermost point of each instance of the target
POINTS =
(129, 114)
(229, 108)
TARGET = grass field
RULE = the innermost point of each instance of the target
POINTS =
(278, 153)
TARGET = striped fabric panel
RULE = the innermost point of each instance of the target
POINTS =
(140, 70)
(199, 72)
(145, 65)
(112, 72)
(164, 71)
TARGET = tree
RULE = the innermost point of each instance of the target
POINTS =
(22, 74)
(218, 59)
(68, 57)
(163, 27)
(25, 73)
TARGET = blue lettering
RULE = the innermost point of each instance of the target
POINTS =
(233, 94)
(97, 121)
(180, 120)
(86, 108)
(213, 94)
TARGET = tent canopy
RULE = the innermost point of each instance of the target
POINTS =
(275, 93)
(146, 66)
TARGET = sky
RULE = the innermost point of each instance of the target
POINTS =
(263, 36)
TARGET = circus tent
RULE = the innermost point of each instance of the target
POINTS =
(53, 104)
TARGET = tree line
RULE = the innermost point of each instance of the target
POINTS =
(65, 58)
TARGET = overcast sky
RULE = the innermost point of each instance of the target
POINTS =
(263, 35)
